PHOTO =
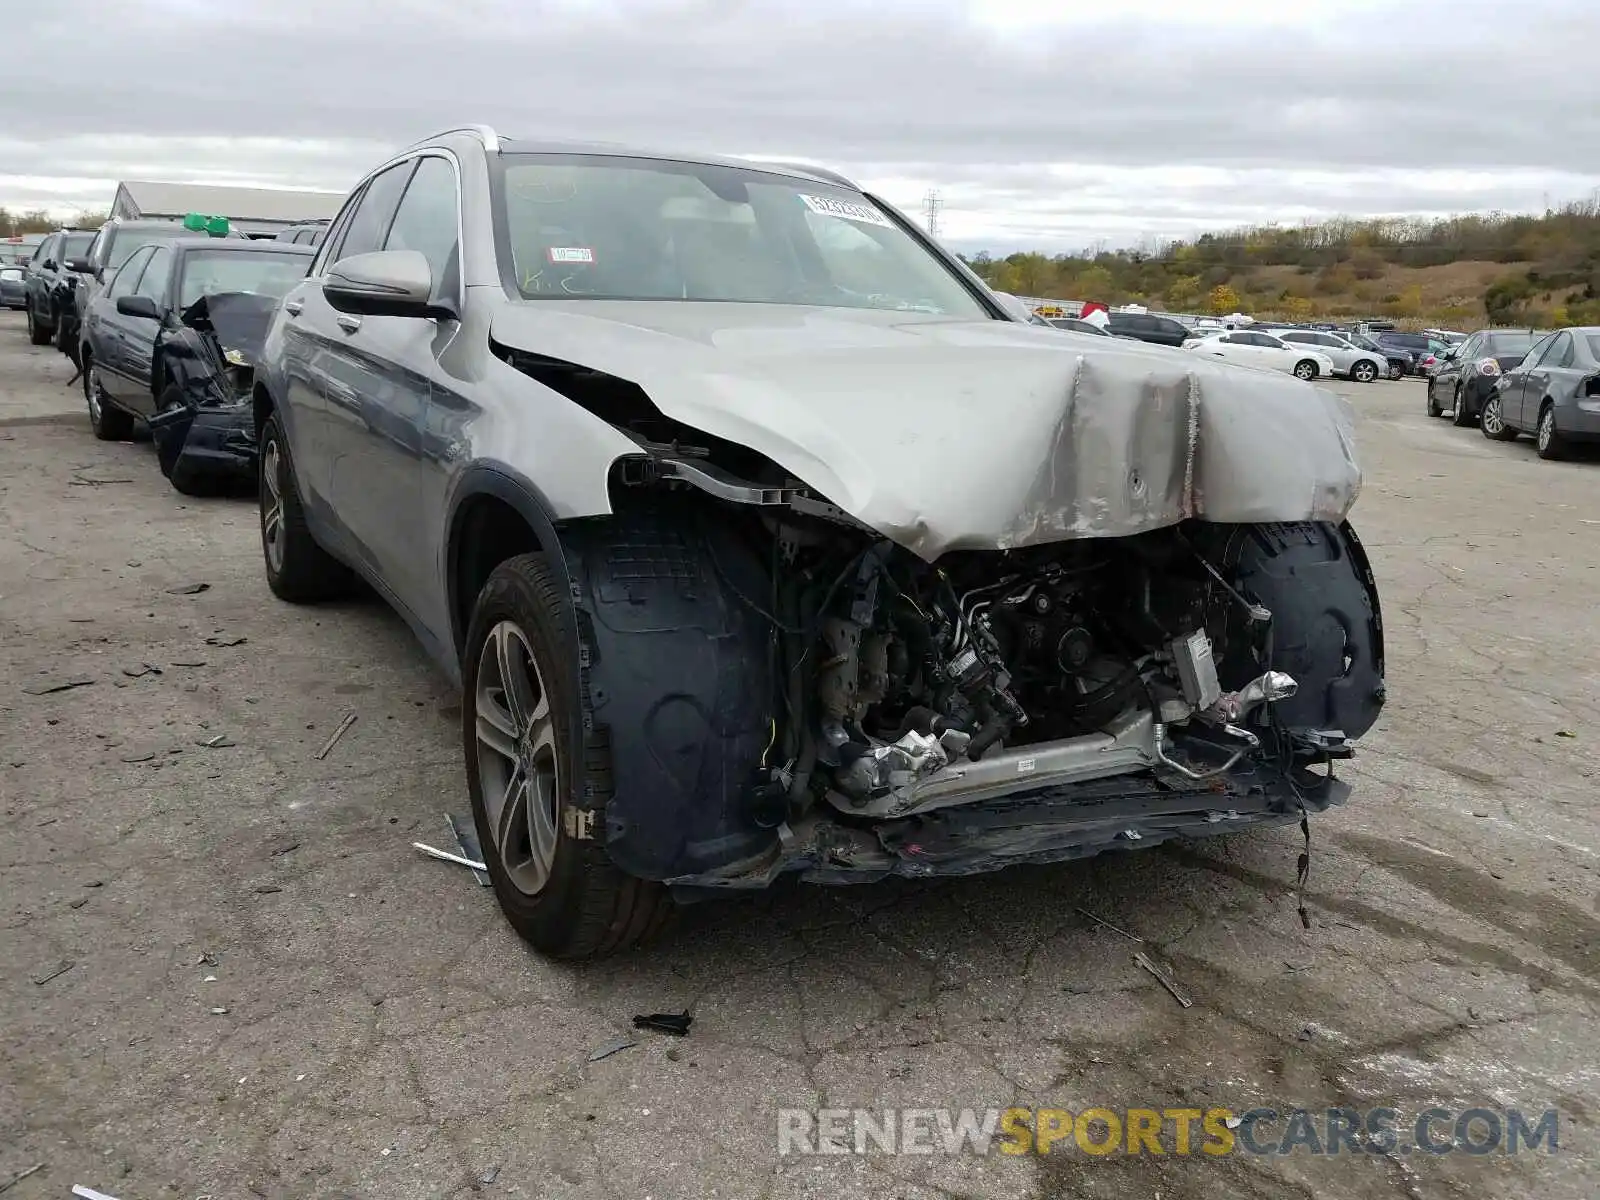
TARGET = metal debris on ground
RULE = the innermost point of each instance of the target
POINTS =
(217, 741)
(611, 1048)
(20, 1176)
(138, 758)
(677, 1024)
(333, 739)
(446, 856)
(267, 889)
(1566, 733)
(189, 589)
(141, 670)
(1162, 978)
(85, 481)
(41, 980)
(88, 1193)
(1099, 921)
(57, 685)
(490, 1175)
(225, 639)
(467, 844)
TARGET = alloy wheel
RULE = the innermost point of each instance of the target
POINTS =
(1365, 372)
(1492, 423)
(1547, 429)
(1305, 371)
(517, 762)
(272, 505)
(91, 391)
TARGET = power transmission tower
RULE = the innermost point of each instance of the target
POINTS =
(932, 203)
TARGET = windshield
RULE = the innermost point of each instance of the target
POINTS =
(1504, 345)
(266, 272)
(126, 241)
(649, 229)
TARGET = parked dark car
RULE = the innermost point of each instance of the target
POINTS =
(306, 233)
(1416, 347)
(764, 541)
(13, 286)
(112, 246)
(1468, 373)
(1399, 361)
(1147, 327)
(1553, 393)
(173, 339)
(50, 284)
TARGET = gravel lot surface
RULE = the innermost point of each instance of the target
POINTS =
(267, 992)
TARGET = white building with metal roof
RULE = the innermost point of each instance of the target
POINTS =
(254, 211)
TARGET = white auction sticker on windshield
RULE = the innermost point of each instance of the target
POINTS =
(827, 206)
(571, 254)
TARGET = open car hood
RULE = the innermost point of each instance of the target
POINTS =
(238, 319)
(971, 434)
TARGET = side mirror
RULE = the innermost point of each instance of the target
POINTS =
(384, 283)
(138, 306)
(80, 266)
(49, 264)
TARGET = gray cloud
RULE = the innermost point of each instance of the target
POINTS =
(1159, 119)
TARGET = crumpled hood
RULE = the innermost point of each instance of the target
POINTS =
(239, 319)
(971, 434)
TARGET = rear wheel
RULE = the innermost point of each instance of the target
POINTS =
(1492, 421)
(109, 423)
(1460, 415)
(38, 333)
(1548, 439)
(1305, 369)
(539, 785)
(1433, 404)
(298, 569)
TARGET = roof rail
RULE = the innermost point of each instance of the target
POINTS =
(485, 135)
(810, 168)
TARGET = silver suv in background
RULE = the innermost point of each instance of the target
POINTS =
(1353, 362)
(764, 541)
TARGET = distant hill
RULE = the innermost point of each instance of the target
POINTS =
(1461, 271)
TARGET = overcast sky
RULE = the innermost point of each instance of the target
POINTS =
(1049, 124)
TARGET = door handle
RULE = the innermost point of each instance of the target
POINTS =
(293, 307)
(349, 324)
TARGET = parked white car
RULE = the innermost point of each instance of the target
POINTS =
(1351, 361)
(1251, 349)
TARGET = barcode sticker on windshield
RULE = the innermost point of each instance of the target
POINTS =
(571, 254)
(827, 206)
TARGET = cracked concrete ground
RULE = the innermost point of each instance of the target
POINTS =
(270, 994)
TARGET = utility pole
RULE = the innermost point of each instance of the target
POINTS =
(932, 203)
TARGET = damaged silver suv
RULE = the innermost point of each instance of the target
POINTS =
(763, 541)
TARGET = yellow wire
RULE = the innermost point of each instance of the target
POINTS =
(771, 738)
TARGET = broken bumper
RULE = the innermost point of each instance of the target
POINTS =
(214, 440)
(1044, 825)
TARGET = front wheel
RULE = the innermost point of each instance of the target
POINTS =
(1551, 445)
(298, 569)
(539, 785)
(109, 423)
(1492, 421)
(1305, 369)
(1364, 371)
(1460, 414)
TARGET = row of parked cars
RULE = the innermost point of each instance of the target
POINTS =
(164, 320)
(1510, 382)
(742, 514)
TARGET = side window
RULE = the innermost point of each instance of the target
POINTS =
(336, 231)
(1468, 349)
(153, 283)
(96, 251)
(427, 218)
(1234, 339)
(42, 254)
(127, 278)
(1561, 353)
(1298, 337)
(1536, 352)
(369, 224)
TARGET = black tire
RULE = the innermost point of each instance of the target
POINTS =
(1460, 417)
(1547, 438)
(109, 423)
(303, 572)
(1492, 422)
(1364, 371)
(1433, 405)
(586, 908)
(1305, 369)
(38, 335)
